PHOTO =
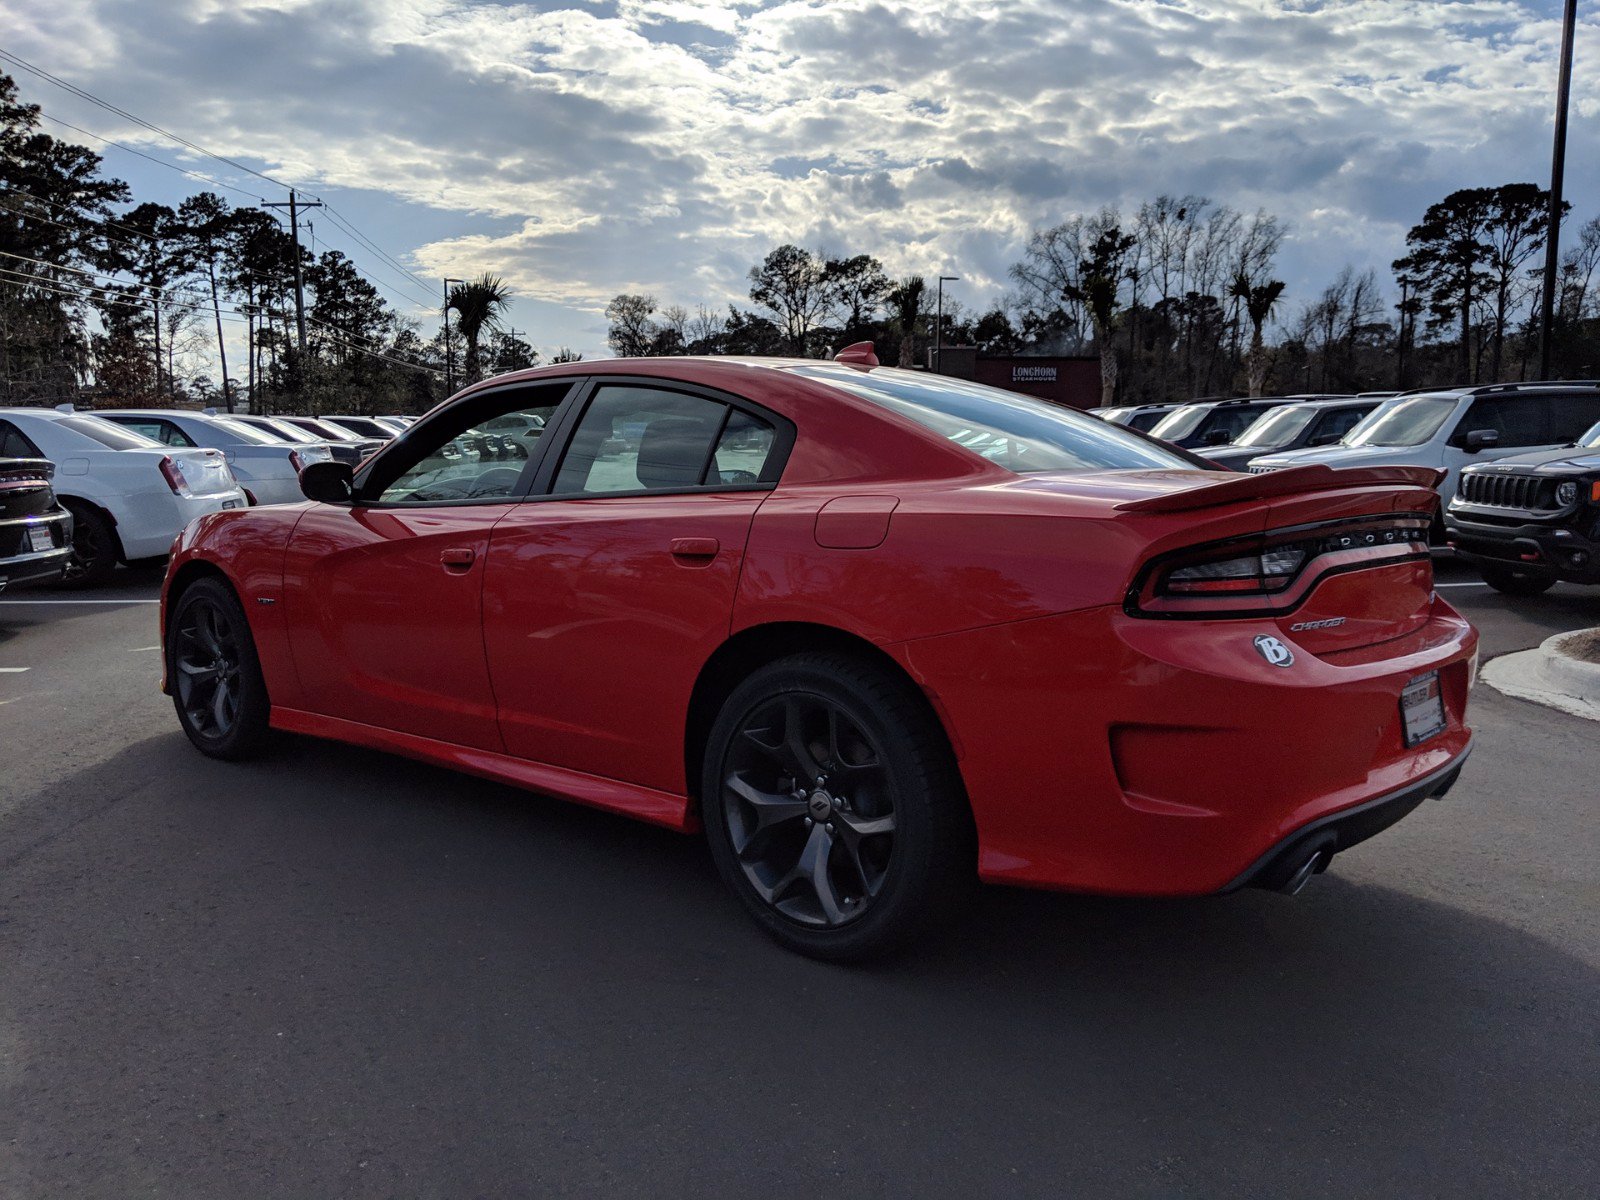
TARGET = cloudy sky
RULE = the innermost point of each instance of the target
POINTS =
(583, 148)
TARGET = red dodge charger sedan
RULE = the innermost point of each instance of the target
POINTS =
(877, 632)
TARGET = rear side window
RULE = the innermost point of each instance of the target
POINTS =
(1519, 420)
(14, 445)
(635, 439)
(1018, 432)
(164, 432)
(108, 433)
(1572, 416)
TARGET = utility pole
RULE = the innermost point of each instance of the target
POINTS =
(1400, 370)
(294, 206)
(1558, 165)
(449, 356)
(938, 326)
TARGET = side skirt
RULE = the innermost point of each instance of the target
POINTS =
(629, 799)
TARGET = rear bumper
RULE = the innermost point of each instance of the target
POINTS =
(1129, 757)
(155, 519)
(1547, 551)
(1348, 827)
(20, 564)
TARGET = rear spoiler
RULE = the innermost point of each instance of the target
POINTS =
(26, 470)
(1314, 477)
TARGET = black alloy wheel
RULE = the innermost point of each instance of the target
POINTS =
(809, 805)
(834, 808)
(212, 671)
(94, 548)
(1512, 582)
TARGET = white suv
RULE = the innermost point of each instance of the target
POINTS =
(267, 466)
(129, 496)
(1453, 427)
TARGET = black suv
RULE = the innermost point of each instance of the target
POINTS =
(1531, 519)
(1309, 423)
(35, 531)
(1215, 422)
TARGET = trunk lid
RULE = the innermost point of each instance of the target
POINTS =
(1364, 574)
(25, 489)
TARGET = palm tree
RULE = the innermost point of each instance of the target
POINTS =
(906, 300)
(479, 305)
(1259, 302)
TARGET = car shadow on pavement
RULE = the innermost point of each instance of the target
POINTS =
(381, 977)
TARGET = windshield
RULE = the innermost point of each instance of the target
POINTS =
(1278, 427)
(1019, 432)
(108, 433)
(329, 432)
(1409, 423)
(1180, 422)
(245, 433)
(282, 430)
(1591, 440)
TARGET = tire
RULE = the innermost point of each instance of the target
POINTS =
(827, 875)
(95, 548)
(210, 651)
(1515, 583)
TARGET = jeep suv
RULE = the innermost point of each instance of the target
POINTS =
(1531, 519)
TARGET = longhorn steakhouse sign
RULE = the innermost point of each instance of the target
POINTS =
(1071, 380)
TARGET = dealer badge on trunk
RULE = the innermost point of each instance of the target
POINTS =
(1274, 651)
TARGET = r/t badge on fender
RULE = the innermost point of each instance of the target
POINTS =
(1274, 651)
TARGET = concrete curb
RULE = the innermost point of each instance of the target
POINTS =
(1550, 676)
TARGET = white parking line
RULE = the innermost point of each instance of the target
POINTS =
(141, 649)
(1480, 583)
(128, 601)
(14, 670)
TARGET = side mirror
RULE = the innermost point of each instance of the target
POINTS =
(329, 482)
(1217, 437)
(1480, 439)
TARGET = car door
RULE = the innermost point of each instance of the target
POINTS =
(608, 590)
(384, 594)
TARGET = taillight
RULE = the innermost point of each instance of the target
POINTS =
(1272, 572)
(296, 461)
(172, 472)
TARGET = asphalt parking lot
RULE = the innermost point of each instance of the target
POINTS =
(332, 972)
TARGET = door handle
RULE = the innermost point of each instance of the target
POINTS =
(695, 547)
(458, 558)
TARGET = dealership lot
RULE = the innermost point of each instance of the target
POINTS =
(331, 971)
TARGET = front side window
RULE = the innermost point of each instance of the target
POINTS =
(461, 457)
(1334, 425)
(1519, 420)
(1411, 422)
(1020, 433)
(635, 439)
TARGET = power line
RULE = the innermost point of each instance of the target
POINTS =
(160, 162)
(338, 218)
(82, 94)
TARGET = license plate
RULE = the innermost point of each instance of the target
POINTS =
(230, 504)
(39, 538)
(1422, 708)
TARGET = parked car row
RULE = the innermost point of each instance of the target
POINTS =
(82, 491)
(1519, 462)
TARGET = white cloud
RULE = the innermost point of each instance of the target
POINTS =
(665, 145)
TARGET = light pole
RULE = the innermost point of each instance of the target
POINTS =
(449, 358)
(1558, 165)
(938, 325)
